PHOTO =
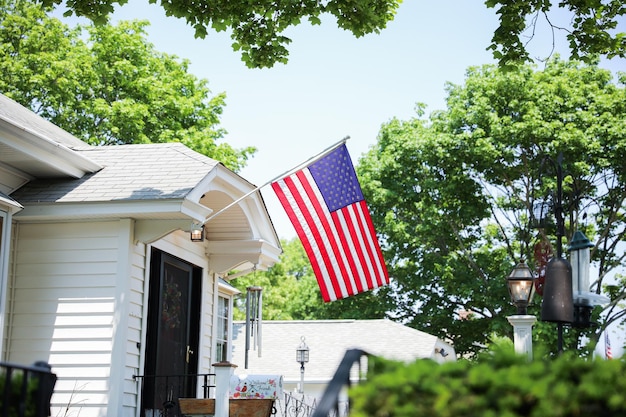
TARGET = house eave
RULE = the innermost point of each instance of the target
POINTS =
(40, 143)
(180, 209)
(58, 157)
(9, 204)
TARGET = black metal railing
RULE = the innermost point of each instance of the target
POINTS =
(160, 393)
(292, 406)
(25, 391)
(329, 403)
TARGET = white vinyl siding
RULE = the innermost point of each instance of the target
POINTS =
(138, 262)
(77, 301)
(63, 310)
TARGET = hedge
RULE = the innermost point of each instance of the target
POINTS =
(500, 384)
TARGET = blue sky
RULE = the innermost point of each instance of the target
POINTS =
(336, 85)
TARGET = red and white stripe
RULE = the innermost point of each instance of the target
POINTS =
(341, 245)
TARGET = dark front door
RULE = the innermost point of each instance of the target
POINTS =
(173, 334)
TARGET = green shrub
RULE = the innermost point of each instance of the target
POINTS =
(17, 399)
(500, 384)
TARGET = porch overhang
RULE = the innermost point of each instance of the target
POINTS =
(229, 255)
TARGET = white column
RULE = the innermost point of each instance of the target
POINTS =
(223, 372)
(522, 333)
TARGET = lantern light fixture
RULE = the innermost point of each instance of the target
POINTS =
(521, 285)
(584, 300)
(197, 232)
(302, 357)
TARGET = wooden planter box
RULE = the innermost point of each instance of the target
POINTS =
(236, 407)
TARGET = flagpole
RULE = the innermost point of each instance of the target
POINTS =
(284, 174)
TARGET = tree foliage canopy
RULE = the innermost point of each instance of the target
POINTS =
(257, 28)
(107, 84)
(452, 195)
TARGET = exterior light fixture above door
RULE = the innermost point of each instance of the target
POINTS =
(197, 232)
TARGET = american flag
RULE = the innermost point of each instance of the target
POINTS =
(607, 346)
(325, 204)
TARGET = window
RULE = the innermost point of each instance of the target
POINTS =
(223, 326)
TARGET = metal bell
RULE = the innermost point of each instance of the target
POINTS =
(558, 304)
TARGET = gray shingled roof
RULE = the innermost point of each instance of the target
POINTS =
(327, 340)
(18, 115)
(131, 172)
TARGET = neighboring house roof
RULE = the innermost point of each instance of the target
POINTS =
(328, 340)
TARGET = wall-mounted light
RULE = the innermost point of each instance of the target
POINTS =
(197, 232)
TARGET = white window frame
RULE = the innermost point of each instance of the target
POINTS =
(6, 220)
(223, 351)
(228, 292)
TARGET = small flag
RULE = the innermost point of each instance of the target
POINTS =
(325, 204)
(607, 346)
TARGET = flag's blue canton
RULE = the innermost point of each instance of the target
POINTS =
(336, 179)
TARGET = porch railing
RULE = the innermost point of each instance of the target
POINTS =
(167, 389)
(295, 406)
(289, 406)
(25, 391)
(329, 403)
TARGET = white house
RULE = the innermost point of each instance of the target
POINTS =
(98, 275)
(328, 341)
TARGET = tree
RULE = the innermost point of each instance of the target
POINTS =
(290, 292)
(591, 32)
(452, 194)
(257, 28)
(111, 88)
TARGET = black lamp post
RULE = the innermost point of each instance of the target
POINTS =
(302, 357)
(557, 305)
